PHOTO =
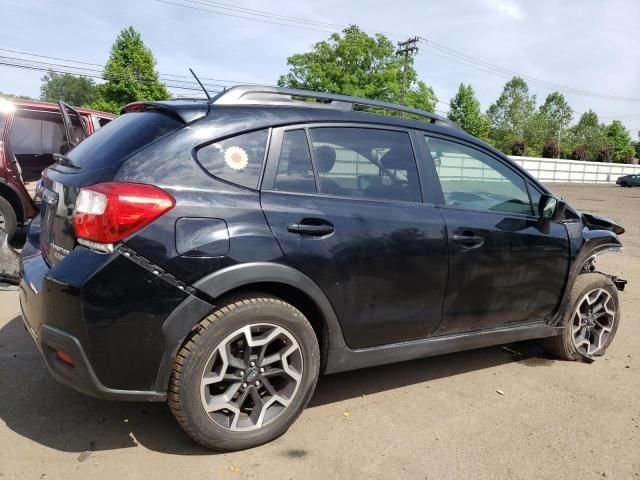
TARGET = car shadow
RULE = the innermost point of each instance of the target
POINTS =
(35, 406)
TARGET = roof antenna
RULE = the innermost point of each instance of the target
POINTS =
(201, 85)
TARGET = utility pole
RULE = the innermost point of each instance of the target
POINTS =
(406, 48)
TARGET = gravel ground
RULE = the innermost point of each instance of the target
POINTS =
(433, 418)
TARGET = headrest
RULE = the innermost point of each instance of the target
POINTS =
(299, 160)
(325, 158)
(397, 159)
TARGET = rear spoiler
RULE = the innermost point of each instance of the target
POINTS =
(184, 111)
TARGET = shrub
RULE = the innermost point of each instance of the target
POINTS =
(605, 154)
(551, 149)
(579, 153)
(518, 148)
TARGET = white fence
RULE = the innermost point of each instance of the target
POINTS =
(552, 170)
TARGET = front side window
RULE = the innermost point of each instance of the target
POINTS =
(237, 159)
(365, 162)
(473, 180)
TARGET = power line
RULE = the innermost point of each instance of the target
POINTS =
(266, 16)
(444, 51)
(4, 61)
(96, 73)
(464, 59)
(48, 57)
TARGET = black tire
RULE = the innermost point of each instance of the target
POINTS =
(184, 396)
(8, 220)
(563, 345)
(624, 184)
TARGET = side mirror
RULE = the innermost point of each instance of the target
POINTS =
(551, 208)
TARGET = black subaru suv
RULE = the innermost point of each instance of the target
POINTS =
(222, 254)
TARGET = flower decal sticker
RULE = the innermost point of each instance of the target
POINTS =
(236, 158)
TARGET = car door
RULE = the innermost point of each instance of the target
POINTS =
(75, 129)
(345, 205)
(505, 265)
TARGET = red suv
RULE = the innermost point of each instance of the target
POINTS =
(33, 135)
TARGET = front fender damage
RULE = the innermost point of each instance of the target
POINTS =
(600, 236)
(589, 238)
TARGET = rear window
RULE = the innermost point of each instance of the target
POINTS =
(121, 137)
(237, 159)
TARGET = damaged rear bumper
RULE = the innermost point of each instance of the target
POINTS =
(9, 261)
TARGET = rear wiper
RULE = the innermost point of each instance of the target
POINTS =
(65, 161)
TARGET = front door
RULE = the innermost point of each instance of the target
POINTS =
(505, 265)
(346, 207)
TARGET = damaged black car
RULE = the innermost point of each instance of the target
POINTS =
(221, 254)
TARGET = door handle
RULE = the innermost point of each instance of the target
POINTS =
(468, 241)
(315, 229)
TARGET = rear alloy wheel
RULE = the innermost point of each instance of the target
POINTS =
(251, 378)
(592, 321)
(8, 221)
(245, 374)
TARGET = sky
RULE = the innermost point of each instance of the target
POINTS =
(585, 45)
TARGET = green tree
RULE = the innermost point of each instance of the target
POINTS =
(555, 115)
(511, 116)
(354, 63)
(69, 88)
(619, 140)
(464, 109)
(588, 134)
(130, 74)
(12, 95)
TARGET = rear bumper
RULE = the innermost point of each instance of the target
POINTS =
(80, 376)
(103, 310)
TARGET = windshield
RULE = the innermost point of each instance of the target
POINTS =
(120, 138)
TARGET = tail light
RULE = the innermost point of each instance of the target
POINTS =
(109, 212)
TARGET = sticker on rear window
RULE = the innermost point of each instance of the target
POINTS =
(236, 158)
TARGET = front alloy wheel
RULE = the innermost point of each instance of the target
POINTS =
(590, 322)
(593, 322)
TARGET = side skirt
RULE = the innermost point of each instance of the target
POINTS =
(344, 359)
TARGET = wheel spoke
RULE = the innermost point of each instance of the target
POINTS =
(581, 322)
(608, 308)
(597, 334)
(259, 408)
(219, 402)
(232, 360)
(242, 398)
(292, 372)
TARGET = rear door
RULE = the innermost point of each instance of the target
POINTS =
(505, 266)
(75, 128)
(345, 204)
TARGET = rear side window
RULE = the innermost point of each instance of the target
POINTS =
(365, 162)
(237, 159)
(121, 137)
(295, 173)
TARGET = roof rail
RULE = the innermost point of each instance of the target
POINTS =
(265, 95)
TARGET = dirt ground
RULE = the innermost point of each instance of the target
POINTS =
(427, 419)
